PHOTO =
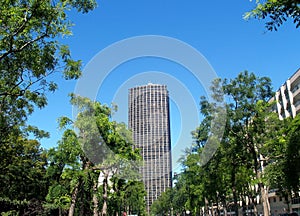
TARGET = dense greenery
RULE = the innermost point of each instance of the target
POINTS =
(86, 170)
(29, 54)
(258, 152)
(92, 171)
(66, 179)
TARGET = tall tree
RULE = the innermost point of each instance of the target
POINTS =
(30, 52)
(251, 123)
(243, 152)
(66, 175)
(94, 150)
(257, 151)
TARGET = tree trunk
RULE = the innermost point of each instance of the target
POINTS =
(234, 192)
(95, 200)
(224, 209)
(105, 187)
(73, 201)
(265, 199)
(255, 210)
(244, 206)
(264, 191)
(206, 210)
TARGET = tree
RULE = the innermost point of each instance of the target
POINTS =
(29, 53)
(163, 205)
(277, 11)
(292, 157)
(93, 157)
(180, 195)
(127, 196)
(257, 151)
(66, 175)
(251, 124)
(107, 145)
(251, 132)
(22, 170)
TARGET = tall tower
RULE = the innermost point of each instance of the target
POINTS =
(148, 118)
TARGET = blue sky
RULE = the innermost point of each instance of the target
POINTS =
(215, 28)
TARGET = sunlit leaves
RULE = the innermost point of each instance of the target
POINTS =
(30, 52)
(277, 12)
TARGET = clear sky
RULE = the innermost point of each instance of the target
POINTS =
(216, 29)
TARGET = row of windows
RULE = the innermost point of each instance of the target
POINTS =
(155, 149)
(157, 129)
(148, 148)
(148, 119)
(148, 100)
(148, 88)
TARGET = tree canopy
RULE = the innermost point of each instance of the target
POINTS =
(30, 52)
(257, 152)
(276, 12)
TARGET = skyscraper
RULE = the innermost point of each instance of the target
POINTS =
(148, 118)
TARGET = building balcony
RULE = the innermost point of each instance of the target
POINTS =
(296, 91)
(297, 106)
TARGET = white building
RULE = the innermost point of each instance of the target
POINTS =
(288, 97)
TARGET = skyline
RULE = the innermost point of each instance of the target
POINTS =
(229, 43)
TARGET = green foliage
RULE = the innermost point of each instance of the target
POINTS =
(277, 12)
(100, 151)
(30, 52)
(22, 171)
(292, 157)
(249, 145)
(58, 197)
(127, 196)
(163, 205)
